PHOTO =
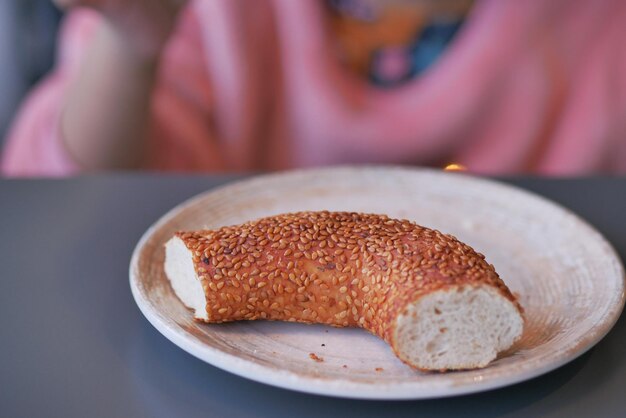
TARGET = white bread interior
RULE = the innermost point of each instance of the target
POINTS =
(182, 275)
(457, 328)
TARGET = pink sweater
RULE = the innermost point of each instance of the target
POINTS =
(527, 86)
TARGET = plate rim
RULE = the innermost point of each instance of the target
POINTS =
(344, 388)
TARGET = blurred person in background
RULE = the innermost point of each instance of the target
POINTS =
(498, 86)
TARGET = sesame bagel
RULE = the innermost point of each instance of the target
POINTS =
(435, 300)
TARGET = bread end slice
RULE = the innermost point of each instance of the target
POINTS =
(180, 270)
(456, 328)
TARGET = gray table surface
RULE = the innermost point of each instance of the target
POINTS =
(74, 344)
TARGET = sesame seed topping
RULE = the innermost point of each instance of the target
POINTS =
(336, 268)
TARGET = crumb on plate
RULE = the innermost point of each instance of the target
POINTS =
(315, 357)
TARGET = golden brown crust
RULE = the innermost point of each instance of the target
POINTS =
(336, 268)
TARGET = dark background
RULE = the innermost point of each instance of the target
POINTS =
(28, 30)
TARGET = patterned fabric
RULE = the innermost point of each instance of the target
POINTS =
(390, 42)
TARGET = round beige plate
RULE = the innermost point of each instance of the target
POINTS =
(568, 277)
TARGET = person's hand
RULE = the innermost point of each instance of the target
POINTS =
(144, 25)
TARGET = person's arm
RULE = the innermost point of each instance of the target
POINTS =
(105, 116)
(103, 120)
